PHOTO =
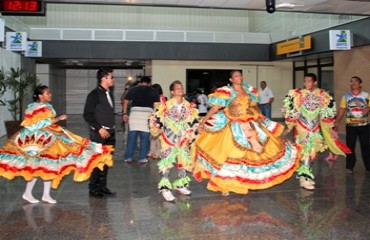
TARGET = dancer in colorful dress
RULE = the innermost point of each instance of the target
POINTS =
(311, 113)
(175, 122)
(43, 149)
(238, 148)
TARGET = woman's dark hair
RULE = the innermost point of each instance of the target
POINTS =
(234, 71)
(158, 88)
(38, 90)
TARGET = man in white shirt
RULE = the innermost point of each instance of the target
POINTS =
(266, 99)
(202, 101)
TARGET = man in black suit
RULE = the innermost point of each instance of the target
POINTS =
(99, 114)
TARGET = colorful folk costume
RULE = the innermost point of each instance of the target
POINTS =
(239, 149)
(312, 115)
(45, 150)
(176, 126)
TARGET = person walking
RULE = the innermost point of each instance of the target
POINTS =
(311, 113)
(356, 105)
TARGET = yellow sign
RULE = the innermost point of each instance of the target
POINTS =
(294, 45)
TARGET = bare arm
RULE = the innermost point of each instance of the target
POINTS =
(270, 101)
(339, 117)
(124, 110)
(209, 114)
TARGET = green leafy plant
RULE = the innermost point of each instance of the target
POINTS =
(21, 84)
(2, 86)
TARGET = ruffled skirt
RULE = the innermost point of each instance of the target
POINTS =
(232, 163)
(51, 154)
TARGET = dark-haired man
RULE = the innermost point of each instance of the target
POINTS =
(99, 114)
(142, 98)
(356, 104)
(311, 113)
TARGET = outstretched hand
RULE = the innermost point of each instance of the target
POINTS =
(63, 117)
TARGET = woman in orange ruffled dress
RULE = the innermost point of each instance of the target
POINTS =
(43, 149)
(238, 148)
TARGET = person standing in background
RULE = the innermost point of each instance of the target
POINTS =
(124, 125)
(266, 99)
(356, 104)
(202, 102)
(142, 99)
(155, 144)
(99, 114)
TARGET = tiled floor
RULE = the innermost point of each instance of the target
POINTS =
(338, 209)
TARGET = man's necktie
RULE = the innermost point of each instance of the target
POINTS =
(109, 99)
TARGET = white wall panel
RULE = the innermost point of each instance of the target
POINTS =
(133, 17)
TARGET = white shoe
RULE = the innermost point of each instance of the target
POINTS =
(168, 196)
(306, 183)
(49, 200)
(184, 191)
(30, 199)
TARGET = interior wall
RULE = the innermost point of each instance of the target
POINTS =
(139, 17)
(79, 82)
(278, 75)
(354, 62)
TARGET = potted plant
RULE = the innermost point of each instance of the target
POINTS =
(21, 84)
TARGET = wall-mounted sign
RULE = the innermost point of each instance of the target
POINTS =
(2, 27)
(340, 39)
(294, 45)
(34, 49)
(16, 41)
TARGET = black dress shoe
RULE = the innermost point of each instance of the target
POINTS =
(108, 192)
(97, 194)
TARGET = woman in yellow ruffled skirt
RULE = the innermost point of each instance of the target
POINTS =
(238, 148)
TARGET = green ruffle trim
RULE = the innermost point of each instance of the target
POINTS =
(164, 184)
(182, 182)
(177, 152)
(304, 170)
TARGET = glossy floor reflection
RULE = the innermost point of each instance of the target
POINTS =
(338, 209)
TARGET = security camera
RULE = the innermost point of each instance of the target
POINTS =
(270, 6)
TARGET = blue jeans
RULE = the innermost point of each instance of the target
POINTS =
(132, 142)
(266, 110)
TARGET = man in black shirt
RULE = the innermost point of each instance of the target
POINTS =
(99, 114)
(142, 99)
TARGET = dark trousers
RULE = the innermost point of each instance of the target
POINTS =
(362, 132)
(98, 178)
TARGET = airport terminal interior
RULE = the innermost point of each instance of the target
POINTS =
(338, 208)
(197, 42)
